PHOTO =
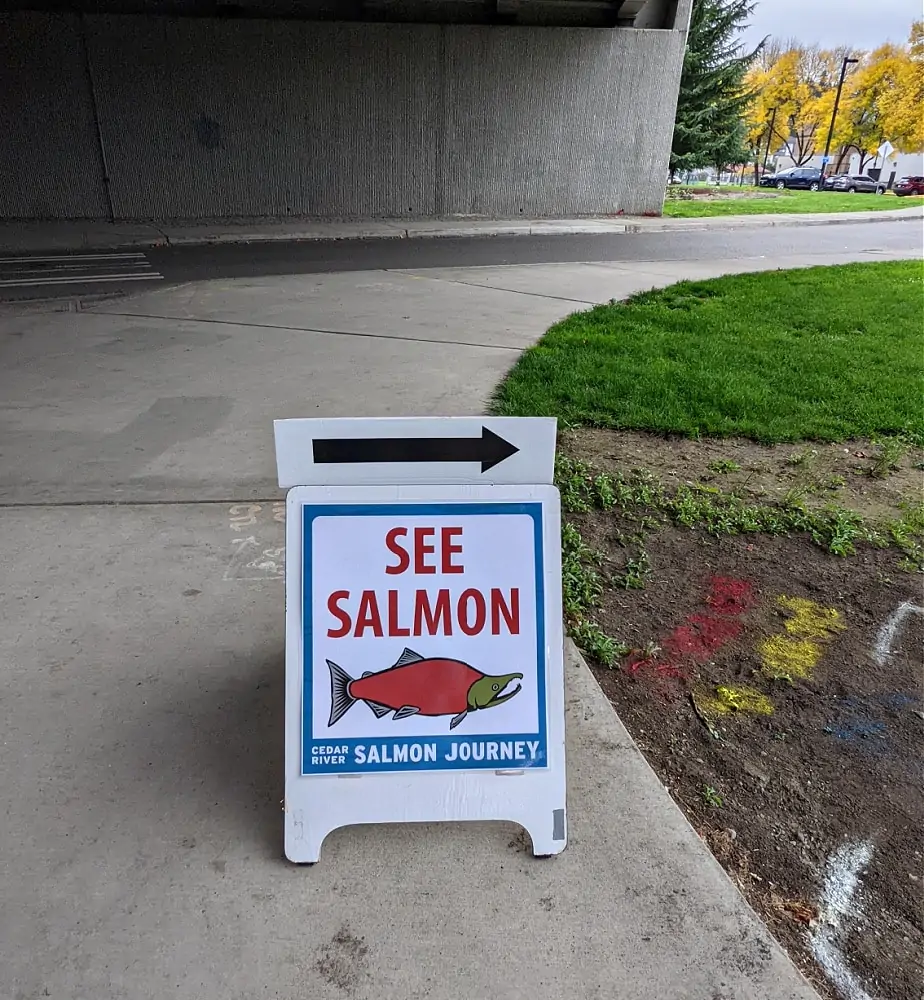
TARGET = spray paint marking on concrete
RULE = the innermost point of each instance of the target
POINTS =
(884, 648)
(701, 634)
(252, 558)
(838, 905)
(794, 655)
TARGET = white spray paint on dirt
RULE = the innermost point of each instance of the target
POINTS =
(885, 638)
(837, 906)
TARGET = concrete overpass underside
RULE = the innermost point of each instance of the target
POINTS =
(337, 108)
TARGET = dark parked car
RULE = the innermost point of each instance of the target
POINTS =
(807, 178)
(856, 184)
(908, 185)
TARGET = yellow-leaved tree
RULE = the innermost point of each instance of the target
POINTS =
(791, 100)
(861, 125)
(902, 107)
(794, 89)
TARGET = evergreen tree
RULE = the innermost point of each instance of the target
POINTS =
(710, 128)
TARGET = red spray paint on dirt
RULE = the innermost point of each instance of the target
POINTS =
(697, 638)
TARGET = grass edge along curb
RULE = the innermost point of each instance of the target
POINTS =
(583, 489)
(695, 202)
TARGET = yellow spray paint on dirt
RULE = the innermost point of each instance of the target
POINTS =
(810, 620)
(788, 659)
(794, 656)
(726, 700)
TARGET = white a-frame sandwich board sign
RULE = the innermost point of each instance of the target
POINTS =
(424, 668)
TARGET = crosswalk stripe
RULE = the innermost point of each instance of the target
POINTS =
(64, 269)
(84, 279)
(75, 269)
(74, 256)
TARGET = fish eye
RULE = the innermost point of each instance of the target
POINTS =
(495, 687)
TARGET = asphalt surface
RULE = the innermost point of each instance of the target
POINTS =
(116, 272)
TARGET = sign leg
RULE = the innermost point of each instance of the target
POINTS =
(303, 839)
(548, 831)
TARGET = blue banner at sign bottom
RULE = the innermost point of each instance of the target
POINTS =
(509, 751)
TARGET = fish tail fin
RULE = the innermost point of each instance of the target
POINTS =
(341, 701)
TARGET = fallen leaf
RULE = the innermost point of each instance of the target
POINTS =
(800, 911)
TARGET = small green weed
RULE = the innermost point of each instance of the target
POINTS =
(582, 585)
(636, 572)
(723, 465)
(794, 496)
(711, 797)
(582, 588)
(891, 451)
(907, 533)
(595, 642)
(806, 457)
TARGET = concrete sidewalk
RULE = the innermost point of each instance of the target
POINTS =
(34, 237)
(142, 652)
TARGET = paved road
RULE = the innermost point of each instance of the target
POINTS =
(112, 272)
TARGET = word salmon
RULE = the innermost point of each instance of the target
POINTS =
(418, 686)
(397, 615)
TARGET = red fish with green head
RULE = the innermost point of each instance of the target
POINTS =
(418, 686)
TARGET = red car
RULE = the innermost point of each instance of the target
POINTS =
(908, 185)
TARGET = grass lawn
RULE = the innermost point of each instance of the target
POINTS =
(825, 353)
(787, 201)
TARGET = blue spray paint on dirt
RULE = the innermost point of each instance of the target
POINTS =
(865, 724)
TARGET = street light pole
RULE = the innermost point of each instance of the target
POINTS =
(837, 101)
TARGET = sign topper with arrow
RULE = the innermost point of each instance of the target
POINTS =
(415, 451)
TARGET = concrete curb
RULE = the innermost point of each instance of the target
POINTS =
(32, 238)
(765, 221)
(590, 712)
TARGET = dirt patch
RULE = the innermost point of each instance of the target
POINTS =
(343, 960)
(784, 715)
(859, 475)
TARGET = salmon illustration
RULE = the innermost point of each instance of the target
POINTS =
(418, 686)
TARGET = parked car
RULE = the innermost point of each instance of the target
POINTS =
(807, 178)
(856, 184)
(830, 179)
(908, 185)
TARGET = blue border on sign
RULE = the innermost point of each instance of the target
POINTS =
(425, 753)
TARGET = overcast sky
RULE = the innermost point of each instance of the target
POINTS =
(862, 24)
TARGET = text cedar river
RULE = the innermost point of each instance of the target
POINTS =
(400, 614)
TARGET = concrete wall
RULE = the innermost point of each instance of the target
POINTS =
(202, 118)
(50, 166)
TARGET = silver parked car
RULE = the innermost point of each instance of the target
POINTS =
(855, 184)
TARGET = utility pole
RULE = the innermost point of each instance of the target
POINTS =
(769, 139)
(837, 101)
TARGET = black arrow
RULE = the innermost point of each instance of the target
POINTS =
(489, 449)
